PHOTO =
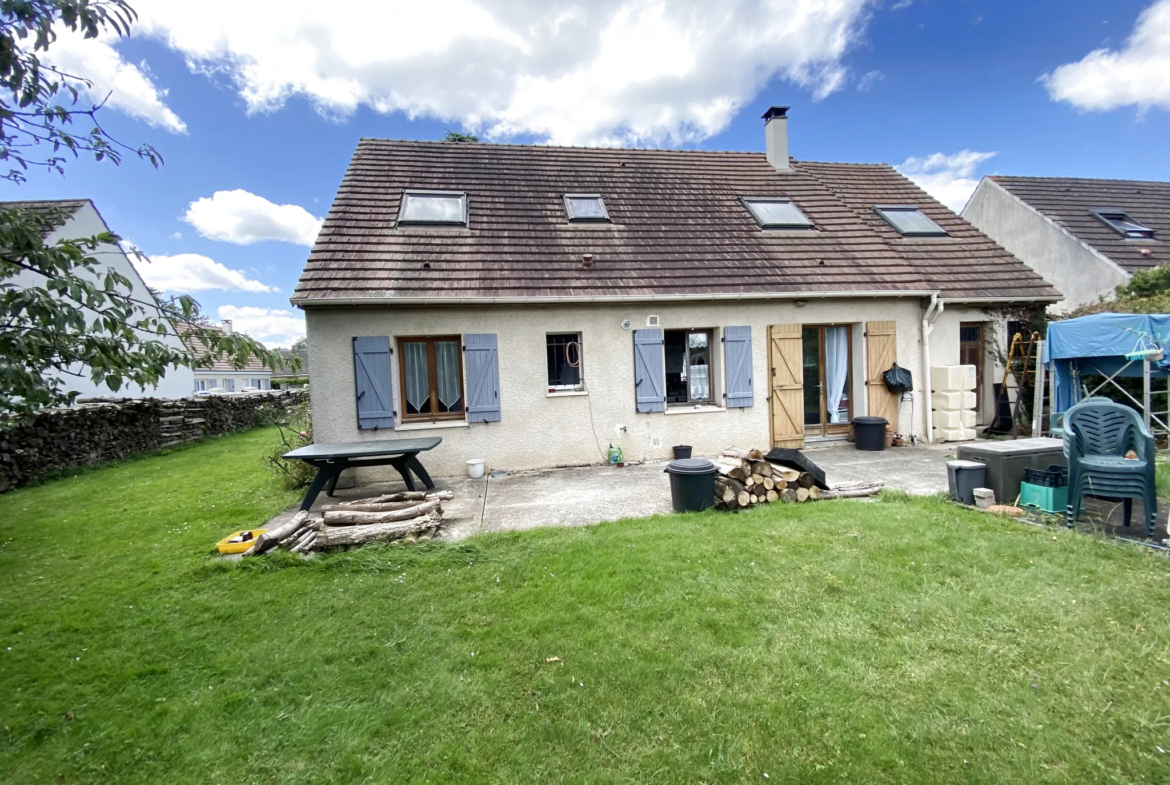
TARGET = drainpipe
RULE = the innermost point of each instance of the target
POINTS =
(933, 311)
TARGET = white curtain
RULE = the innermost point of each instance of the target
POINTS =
(836, 371)
(447, 371)
(418, 376)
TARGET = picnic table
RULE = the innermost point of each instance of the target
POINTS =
(331, 460)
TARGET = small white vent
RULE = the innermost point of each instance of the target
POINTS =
(653, 321)
(626, 324)
(655, 441)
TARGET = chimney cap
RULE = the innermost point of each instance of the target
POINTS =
(776, 111)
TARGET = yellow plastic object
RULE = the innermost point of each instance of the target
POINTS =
(238, 547)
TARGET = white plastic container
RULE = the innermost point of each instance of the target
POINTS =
(955, 399)
(967, 418)
(952, 378)
(949, 418)
(475, 468)
(954, 434)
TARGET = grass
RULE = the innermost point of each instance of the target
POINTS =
(899, 641)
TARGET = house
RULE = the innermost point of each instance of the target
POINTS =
(80, 218)
(222, 376)
(1085, 236)
(532, 305)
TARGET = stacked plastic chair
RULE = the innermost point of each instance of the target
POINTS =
(1097, 436)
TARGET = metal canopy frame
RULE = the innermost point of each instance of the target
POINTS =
(1156, 421)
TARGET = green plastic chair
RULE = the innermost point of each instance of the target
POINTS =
(1097, 435)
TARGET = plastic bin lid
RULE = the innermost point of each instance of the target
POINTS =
(691, 466)
(967, 464)
(870, 421)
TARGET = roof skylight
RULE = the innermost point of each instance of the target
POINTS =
(585, 208)
(1122, 223)
(909, 221)
(772, 213)
(433, 208)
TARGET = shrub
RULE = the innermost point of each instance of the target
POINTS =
(295, 431)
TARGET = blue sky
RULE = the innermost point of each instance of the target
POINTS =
(257, 119)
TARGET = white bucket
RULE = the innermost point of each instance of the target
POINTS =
(475, 468)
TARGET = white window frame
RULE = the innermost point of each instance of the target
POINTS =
(748, 201)
(713, 340)
(200, 385)
(580, 385)
(409, 192)
(585, 219)
(229, 385)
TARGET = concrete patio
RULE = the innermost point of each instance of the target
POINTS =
(582, 496)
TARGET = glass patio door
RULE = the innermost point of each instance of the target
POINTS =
(828, 408)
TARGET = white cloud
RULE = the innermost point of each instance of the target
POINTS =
(177, 236)
(271, 326)
(191, 272)
(244, 218)
(948, 178)
(1135, 75)
(130, 87)
(869, 80)
(606, 72)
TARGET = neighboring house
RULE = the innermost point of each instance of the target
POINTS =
(84, 221)
(222, 376)
(286, 376)
(534, 304)
(1084, 236)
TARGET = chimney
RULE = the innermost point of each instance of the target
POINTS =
(776, 134)
(226, 324)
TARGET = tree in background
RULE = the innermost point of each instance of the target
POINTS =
(457, 136)
(71, 315)
(1147, 291)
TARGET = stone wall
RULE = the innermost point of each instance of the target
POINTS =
(96, 431)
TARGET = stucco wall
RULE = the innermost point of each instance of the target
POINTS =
(944, 347)
(541, 431)
(177, 382)
(1080, 274)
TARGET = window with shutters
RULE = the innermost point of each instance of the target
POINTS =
(229, 385)
(563, 352)
(431, 373)
(690, 372)
(200, 385)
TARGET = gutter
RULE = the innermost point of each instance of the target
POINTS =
(621, 298)
(933, 311)
(993, 300)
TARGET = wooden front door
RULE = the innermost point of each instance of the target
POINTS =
(786, 402)
(971, 352)
(881, 352)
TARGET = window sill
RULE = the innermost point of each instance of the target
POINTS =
(566, 393)
(426, 426)
(704, 409)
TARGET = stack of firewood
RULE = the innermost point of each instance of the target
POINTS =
(746, 478)
(410, 516)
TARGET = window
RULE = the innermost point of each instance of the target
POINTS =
(777, 213)
(258, 384)
(580, 208)
(434, 208)
(1121, 222)
(229, 385)
(689, 376)
(432, 378)
(200, 385)
(564, 361)
(910, 221)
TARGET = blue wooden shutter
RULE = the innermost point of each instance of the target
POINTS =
(371, 374)
(483, 378)
(737, 366)
(649, 371)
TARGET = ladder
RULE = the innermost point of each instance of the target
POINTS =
(1026, 352)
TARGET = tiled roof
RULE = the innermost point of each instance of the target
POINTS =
(679, 228)
(1068, 200)
(65, 207)
(222, 364)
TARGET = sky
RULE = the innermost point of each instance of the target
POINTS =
(257, 107)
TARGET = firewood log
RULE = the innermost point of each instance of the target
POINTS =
(780, 484)
(806, 480)
(356, 535)
(744, 499)
(728, 467)
(347, 518)
(769, 483)
(789, 495)
(749, 481)
(403, 496)
(755, 455)
(735, 452)
(814, 493)
(365, 507)
(802, 494)
(270, 538)
(773, 496)
(305, 544)
(293, 543)
(754, 499)
(762, 468)
(784, 473)
(757, 479)
(853, 491)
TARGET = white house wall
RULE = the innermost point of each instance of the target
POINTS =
(539, 431)
(242, 379)
(944, 347)
(86, 222)
(1078, 272)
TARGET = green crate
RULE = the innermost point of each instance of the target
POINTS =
(1039, 497)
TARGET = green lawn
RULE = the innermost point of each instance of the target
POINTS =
(901, 641)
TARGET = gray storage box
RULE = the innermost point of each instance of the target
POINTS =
(964, 477)
(1006, 461)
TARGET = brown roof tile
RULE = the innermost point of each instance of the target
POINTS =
(1068, 200)
(59, 210)
(678, 228)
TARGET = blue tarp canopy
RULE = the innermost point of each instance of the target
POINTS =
(1098, 344)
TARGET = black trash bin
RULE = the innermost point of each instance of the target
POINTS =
(869, 433)
(682, 451)
(692, 484)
